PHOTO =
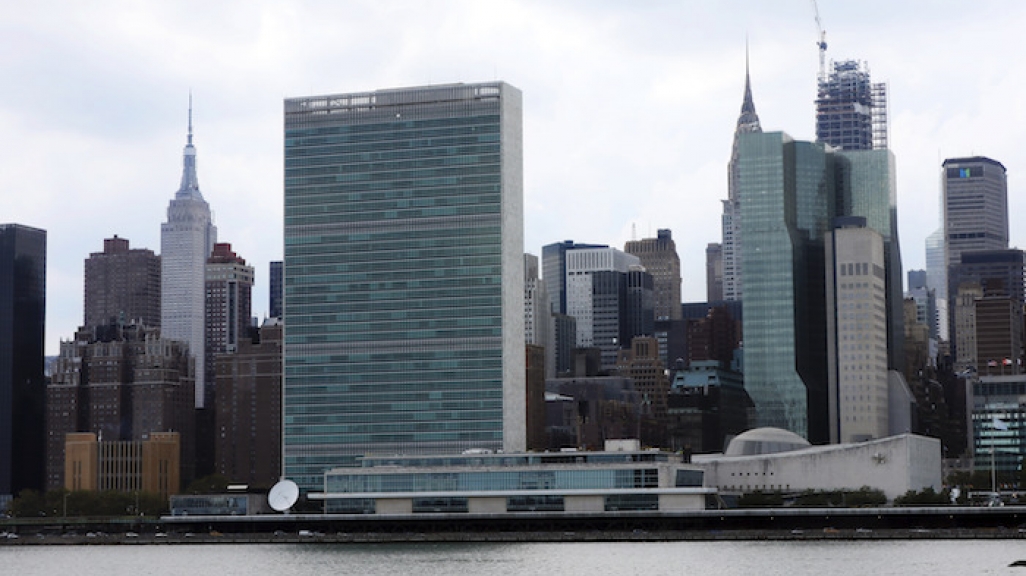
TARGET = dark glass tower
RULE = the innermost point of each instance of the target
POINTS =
(22, 387)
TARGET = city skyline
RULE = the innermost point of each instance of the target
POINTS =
(665, 79)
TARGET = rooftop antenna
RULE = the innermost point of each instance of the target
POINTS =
(190, 117)
(822, 42)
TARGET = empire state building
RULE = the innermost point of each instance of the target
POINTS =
(186, 241)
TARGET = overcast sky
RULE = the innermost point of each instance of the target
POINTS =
(629, 107)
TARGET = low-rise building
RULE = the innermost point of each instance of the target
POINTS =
(494, 483)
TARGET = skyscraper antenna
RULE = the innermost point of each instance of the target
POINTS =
(190, 117)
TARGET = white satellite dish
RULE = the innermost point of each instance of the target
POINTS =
(283, 495)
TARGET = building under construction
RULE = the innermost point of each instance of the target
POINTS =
(851, 111)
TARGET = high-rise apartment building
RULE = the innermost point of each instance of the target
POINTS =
(731, 246)
(229, 303)
(122, 285)
(851, 110)
(22, 388)
(404, 275)
(186, 240)
(122, 383)
(659, 257)
(247, 441)
(856, 332)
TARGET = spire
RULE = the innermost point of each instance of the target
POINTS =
(190, 183)
(748, 121)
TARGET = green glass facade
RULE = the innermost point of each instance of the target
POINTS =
(403, 280)
(788, 200)
(868, 188)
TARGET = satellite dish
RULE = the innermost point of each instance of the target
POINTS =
(283, 495)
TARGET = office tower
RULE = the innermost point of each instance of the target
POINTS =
(925, 301)
(937, 280)
(868, 189)
(122, 285)
(248, 409)
(783, 262)
(404, 275)
(537, 316)
(276, 291)
(229, 290)
(856, 332)
(659, 257)
(186, 240)
(975, 205)
(851, 111)
(713, 272)
(596, 296)
(732, 247)
(640, 304)
(122, 383)
(22, 388)
(554, 270)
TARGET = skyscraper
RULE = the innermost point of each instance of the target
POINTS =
(856, 332)
(554, 270)
(596, 296)
(229, 304)
(22, 389)
(797, 189)
(122, 285)
(404, 275)
(659, 257)
(975, 206)
(788, 192)
(186, 240)
(732, 247)
(851, 111)
(868, 189)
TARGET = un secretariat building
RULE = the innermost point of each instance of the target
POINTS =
(403, 275)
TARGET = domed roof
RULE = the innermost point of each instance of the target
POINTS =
(760, 441)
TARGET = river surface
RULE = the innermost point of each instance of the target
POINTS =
(836, 558)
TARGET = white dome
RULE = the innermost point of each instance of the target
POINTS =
(765, 441)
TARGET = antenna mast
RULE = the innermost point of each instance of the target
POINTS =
(822, 42)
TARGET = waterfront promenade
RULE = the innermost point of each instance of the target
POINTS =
(1007, 522)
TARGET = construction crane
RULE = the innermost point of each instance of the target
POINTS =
(822, 42)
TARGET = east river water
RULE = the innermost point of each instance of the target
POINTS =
(833, 558)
